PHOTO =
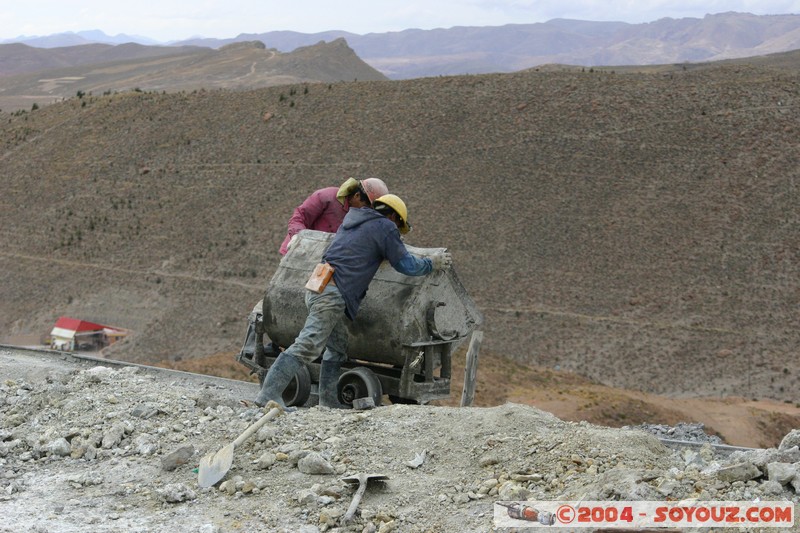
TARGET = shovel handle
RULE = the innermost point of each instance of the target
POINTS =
(255, 427)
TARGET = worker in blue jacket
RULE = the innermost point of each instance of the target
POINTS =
(367, 237)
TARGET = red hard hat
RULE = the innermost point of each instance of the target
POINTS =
(374, 187)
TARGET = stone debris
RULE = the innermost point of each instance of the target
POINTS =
(71, 459)
(418, 459)
(314, 463)
(176, 493)
(173, 460)
(688, 432)
(791, 440)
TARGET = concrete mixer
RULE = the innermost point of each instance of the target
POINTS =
(400, 344)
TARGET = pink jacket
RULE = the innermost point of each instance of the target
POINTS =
(320, 211)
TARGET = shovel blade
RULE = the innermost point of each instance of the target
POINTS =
(213, 467)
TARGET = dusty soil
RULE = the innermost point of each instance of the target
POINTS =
(85, 445)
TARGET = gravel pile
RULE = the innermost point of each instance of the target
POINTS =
(684, 431)
(116, 449)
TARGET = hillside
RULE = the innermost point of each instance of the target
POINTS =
(62, 73)
(639, 230)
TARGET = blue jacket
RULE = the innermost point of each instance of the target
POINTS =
(360, 245)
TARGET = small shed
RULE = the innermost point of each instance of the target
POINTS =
(75, 334)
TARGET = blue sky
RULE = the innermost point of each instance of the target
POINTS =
(168, 20)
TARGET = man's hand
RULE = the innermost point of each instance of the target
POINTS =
(442, 261)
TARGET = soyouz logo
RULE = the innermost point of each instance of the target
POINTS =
(632, 514)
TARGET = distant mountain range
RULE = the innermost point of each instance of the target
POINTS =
(416, 53)
(38, 76)
(42, 70)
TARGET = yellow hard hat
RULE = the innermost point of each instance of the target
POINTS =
(399, 207)
(347, 188)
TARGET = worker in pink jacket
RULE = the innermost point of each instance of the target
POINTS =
(325, 208)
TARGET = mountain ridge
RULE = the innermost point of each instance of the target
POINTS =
(413, 53)
(99, 68)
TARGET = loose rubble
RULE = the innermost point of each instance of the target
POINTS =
(687, 432)
(116, 449)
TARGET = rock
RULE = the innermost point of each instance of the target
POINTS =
(249, 487)
(771, 488)
(314, 463)
(489, 460)
(266, 460)
(113, 436)
(461, 498)
(296, 455)
(146, 411)
(59, 447)
(668, 486)
(524, 477)
(228, 486)
(791, 440)
(176, 493)
(783, 473)
(91, 453)
(363, 404)
(145, 444)
(177, 458)
(511, 491)
(387, 527)
(306, 496)
(266, 433)
(98, 374)
(329, 517)
(762, 457)
(738, 472)
(85, 479)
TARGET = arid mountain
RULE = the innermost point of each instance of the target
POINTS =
(97, 68)
(21, 58)
(415, 53)
(641, 230)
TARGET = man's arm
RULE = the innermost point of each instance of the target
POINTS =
(306, 214)
(413, 266)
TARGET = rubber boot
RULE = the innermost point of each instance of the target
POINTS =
(328, 381)
(279, 376)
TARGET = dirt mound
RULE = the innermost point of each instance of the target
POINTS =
(735, 420)
(114, 449)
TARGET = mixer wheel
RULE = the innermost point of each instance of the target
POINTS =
(359, 382)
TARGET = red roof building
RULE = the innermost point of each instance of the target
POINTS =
(72, 333)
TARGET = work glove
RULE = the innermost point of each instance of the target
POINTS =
(442, 261)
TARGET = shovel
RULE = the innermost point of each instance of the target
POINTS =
(362, 480)
(213, 467)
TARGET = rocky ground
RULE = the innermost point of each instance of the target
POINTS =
(87, 445)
